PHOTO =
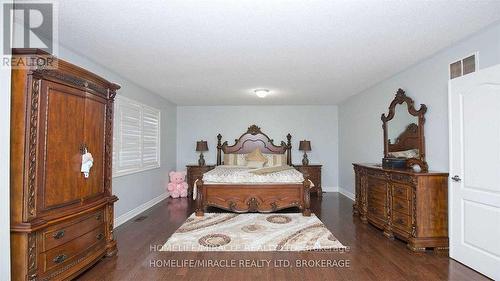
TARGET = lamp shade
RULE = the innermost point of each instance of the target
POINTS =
(201, 146)
(305, 145)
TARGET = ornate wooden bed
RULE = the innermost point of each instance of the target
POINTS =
(264, 198)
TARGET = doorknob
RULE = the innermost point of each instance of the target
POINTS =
(456, 178)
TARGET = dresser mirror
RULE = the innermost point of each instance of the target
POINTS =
(404, 141)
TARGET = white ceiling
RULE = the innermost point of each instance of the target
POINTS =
(305, 52)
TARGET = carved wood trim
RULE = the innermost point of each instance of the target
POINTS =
(51, 74)
(255, 137)
(401, 98)
(33, 149)
(32, 256)
(414, 212)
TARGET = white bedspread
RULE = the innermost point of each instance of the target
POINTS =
(239, 174)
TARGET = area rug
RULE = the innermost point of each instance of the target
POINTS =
(252, 232)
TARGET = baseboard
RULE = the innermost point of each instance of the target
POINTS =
(330, 189)
(347, 193)
(136, 211)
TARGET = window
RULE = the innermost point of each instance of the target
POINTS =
(463, 66)
(136, 137)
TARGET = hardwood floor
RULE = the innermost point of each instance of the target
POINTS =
(371, 257)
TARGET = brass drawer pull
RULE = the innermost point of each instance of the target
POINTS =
(99, 236)
(59, 234)
(60, 258)
(98, 217)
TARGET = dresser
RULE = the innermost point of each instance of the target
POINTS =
(313, 173)
(404, 204)
(61, 221)
(193, 172)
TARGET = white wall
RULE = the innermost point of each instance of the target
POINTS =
(136, 189)
(4, 172)
(5, 80)
(360, 132)
(315, 123)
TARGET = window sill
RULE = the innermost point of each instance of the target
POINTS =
(126, 173)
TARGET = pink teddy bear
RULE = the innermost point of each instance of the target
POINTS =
(177, 186)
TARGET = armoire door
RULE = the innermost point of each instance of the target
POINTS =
(60, 136)
(94, 135)
(474, 191)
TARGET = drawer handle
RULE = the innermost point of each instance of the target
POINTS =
(59, 234)
(99, 236)
(98, 217)
(60, 258)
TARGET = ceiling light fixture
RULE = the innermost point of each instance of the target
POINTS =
(261, 93)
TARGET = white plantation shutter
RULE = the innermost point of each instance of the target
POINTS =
(136, 137)
(150, 137)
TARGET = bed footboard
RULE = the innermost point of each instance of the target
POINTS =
(262, 198)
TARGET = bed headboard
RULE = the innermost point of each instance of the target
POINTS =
(408, 139)
(250, 140)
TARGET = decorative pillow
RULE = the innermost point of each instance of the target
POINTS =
(275, 160)
(411, 153)
(234, 159)
(255, 164)
(256, 155)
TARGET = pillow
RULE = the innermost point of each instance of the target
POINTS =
(255, 164)
(256, 155)
(235, 159)
(275, 160)
(410, 153)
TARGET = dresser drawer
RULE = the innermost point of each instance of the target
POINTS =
(376, 173)
(67, 231)
(64, 253)
(377, 197)
(377, 210)
(401, 191)
(401, 205)
(376, 185)
(401, 221)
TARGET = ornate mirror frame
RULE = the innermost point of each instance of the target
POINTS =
(401, 98)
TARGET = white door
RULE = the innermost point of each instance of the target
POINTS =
(474, 189)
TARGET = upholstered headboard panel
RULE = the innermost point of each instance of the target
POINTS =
(250, 140)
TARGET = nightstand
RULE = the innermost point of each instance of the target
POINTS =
(312, 172)
(194, 172)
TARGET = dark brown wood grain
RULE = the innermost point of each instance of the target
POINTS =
(404, 204)
(252, 139)
(61, 222)
(243, 198)
(253, 197)
(312, 172)
(194, 172)
(372, 256)
(413, 137)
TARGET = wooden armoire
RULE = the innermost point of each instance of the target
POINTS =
(61, 221)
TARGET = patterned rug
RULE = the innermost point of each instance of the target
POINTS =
(252, 232)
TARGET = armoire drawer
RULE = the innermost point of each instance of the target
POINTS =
(65, 252)
(69, 230)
